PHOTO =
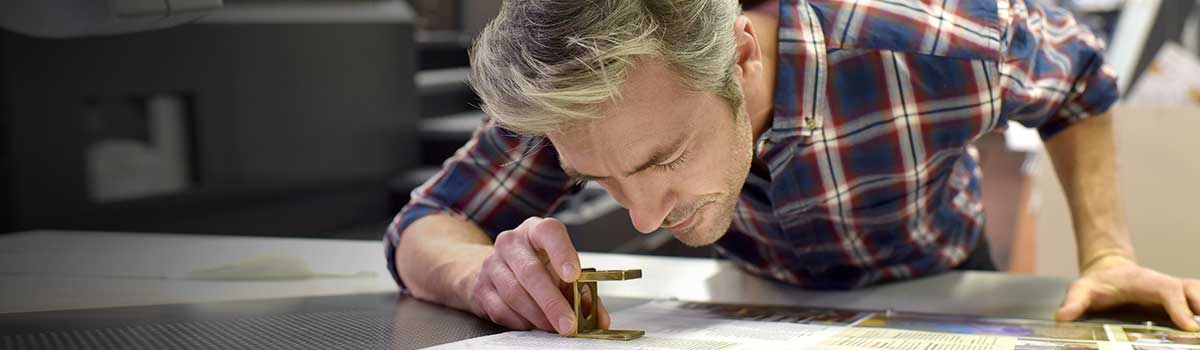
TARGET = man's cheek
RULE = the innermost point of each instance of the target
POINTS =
(703, 183)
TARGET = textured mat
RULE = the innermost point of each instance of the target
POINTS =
(369, 321)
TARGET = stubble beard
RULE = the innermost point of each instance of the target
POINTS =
(734, 177)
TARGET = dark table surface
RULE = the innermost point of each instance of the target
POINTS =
(359, 321)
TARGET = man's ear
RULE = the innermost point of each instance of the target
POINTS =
(749, 54)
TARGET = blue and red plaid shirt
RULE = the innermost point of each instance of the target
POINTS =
(870, 174)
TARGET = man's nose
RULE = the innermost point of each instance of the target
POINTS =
(649, 205)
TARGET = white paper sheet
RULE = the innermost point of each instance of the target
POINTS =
(671, 327)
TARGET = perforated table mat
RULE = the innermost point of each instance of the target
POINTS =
(363, 321)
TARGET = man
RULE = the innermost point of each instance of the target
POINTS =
(820, 143)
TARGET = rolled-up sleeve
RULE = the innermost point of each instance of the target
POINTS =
(1052, 72)
(496, 180)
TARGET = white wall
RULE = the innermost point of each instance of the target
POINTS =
(1158, 151)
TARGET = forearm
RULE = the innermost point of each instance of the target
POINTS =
(438, 257)
(1084, 157)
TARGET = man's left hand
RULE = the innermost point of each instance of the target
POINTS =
(1116, 280)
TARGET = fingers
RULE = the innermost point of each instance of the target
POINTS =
(515, 295)
(498, 311)
(1192, 290)
(1176, 303)
(1129, 283)
(515, 250)
(550, 236)
(602, 313)
(518, 289)
(1076, 302)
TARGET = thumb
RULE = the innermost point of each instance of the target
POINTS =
(1078, 298)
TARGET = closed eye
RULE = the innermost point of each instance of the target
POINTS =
(677, 163)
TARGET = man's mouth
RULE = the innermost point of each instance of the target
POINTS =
(687, 220)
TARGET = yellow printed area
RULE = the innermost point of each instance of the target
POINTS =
(893, 339)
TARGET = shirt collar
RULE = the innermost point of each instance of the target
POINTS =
(800, 106)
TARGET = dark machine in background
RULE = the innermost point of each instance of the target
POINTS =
(262, 117)
(265, 118)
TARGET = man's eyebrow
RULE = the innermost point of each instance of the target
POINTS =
(659, 156)
(580, 177)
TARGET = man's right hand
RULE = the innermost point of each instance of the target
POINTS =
(526, 281)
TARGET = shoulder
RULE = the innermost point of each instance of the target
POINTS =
(970, 29)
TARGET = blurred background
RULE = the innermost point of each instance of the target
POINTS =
(315, 119)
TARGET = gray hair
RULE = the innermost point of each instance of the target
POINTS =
(542, 64)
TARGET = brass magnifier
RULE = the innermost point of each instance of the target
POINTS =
(587, 325)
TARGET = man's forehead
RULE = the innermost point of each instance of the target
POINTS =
(652, 109)
(628, 130)
(590, 150)
(591, 156)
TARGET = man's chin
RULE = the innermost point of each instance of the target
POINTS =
(712, 221)
(702, 234)
(694, 241)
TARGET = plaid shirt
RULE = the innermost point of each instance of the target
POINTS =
(871, 177)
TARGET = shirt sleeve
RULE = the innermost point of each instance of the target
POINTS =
(496, 180)
(1052, 70)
